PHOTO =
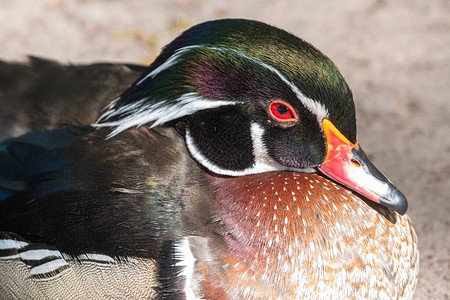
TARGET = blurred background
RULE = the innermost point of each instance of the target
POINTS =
(395, 56)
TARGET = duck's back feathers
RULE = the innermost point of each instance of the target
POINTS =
(110, 212)
(114, 187)
(43, 94)
(32, 154)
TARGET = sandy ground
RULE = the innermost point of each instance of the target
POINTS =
(394, 54)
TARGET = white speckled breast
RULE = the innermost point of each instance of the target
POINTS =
(295, 235)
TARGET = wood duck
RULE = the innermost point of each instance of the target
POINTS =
(230, 169)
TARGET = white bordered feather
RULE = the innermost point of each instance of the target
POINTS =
(6, 244)
(44, 261)
(39, 254)
(101, 258)
(49, 267)
(11, 246)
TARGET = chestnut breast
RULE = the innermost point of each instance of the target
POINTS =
(302, 235)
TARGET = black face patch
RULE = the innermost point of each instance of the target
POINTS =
(223, 136)
(301, 146)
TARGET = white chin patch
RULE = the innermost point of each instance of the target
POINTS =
(263, 162)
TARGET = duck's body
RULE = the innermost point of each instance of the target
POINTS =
(207, 203)
(298, 242)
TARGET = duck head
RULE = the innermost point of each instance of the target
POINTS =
(251, 98)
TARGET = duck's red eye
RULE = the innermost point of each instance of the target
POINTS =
(282, 112)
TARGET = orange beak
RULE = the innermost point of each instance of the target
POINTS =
(347, 164)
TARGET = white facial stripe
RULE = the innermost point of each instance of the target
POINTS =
(113, 112)
(139, 113)
(160, 112)
(315, 107)
(198, 155)
(263, 161)
(174, 59)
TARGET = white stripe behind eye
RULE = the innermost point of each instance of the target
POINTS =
(315, 107)
(175, 58)
(160, 112)
(138, 113)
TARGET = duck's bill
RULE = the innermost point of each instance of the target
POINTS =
(347, 164)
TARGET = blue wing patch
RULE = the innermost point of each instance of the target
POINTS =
(34, 153)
